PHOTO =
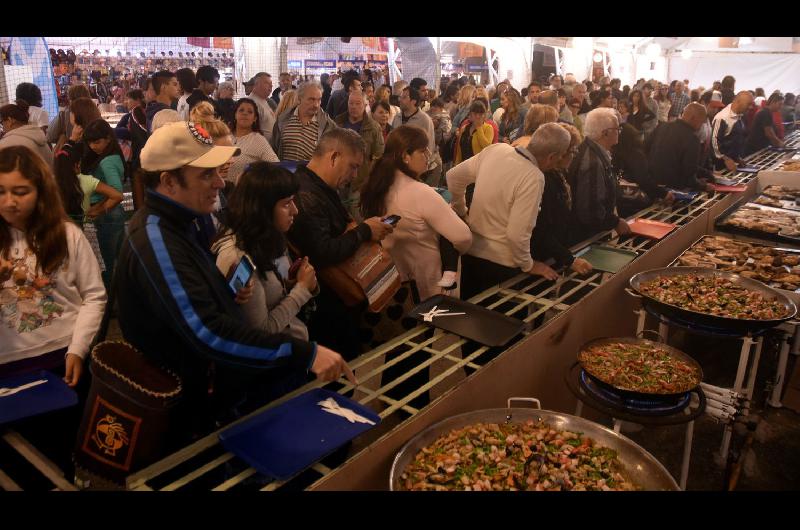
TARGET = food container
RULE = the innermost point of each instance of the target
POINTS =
(640, 466)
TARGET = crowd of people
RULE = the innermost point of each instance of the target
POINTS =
(487, 184)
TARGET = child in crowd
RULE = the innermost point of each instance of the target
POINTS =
(103, 159)
(75, 189)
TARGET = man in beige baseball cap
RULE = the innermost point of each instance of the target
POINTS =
(179, 310)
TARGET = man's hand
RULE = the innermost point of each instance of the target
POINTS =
(378, 228)
(669, 198)
(730, 164)
(623, 228)
(74, 369)
(581, 266)
(710, 187)
(540, 269)
(329, 366)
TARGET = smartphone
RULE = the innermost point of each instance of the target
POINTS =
(242, 274)
(391, 220)
(294, 268)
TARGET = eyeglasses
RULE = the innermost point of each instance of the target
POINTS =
(618, 129)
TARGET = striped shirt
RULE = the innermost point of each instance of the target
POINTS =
(298, 141)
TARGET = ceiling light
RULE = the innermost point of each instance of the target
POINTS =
(598, 57)
(686, 54)
(745, 40)
(653, 50)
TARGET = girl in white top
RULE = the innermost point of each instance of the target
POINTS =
(247, 137)
(260, 212)
(393, 188)
(51, 294)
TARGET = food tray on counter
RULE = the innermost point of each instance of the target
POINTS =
(777, 267)
(482, 325)
(786, 197)
(607, 259)
(761, 222)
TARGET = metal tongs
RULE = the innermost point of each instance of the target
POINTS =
(330, 405)
(5, 391)
(435, 312)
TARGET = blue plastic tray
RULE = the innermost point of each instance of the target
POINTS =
(284, 440)
(53, 395)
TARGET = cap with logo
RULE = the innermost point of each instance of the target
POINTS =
(716, 100)
(179, 144)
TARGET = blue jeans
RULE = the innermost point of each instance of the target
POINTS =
(110, 228)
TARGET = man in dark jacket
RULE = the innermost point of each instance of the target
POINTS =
(674, 151)
(284, 84)
(357, 119)
(320, 231)
(167, 90)
(338, 100)
(592, 179)
(178, 309)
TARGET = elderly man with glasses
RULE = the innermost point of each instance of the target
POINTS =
(592, 179)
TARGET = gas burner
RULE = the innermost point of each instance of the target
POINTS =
(699, 329)
(647, 407)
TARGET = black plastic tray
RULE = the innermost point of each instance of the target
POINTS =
(757, 234)
(482, 325)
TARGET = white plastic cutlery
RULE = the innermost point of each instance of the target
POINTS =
(10, 391)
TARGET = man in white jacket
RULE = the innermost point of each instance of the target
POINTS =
(508, 189)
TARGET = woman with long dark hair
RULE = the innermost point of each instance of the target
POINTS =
(51, 297)
(260, 212)
(103, 159)
(640, 113)
(75, 189)
(247, 137)
(394, 188)
(512, 121)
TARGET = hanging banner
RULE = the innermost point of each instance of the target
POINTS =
(468, 49)
(295, 65)
(377, 43)
(314, 63)
(203, 42)
(223, 42)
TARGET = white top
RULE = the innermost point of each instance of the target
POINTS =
(265, 115)
(254, 148)
(414, 243)
(508, 192)
(42, 313)
(38, 116)
(183, 107)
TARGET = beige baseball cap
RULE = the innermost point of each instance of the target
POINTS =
(179, 144)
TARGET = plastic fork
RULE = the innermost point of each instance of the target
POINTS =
(10, 391)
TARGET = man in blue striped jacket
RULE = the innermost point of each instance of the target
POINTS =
(176, 307)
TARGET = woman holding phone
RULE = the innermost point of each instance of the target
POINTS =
(261, 210)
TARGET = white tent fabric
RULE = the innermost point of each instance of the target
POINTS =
(770, 71)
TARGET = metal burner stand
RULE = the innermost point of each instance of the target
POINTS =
(724, 404)
(693, 409)
(791, 344)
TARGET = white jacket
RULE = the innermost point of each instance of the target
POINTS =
(41, 313)
(508, 193)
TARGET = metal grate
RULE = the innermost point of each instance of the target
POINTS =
(533, 300)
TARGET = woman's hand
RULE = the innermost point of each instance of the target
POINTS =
(77, 133)
(74, 369)
(307, 276)
(96, 210)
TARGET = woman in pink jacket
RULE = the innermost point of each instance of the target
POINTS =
(393, 188)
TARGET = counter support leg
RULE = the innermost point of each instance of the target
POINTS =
(687, 453)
